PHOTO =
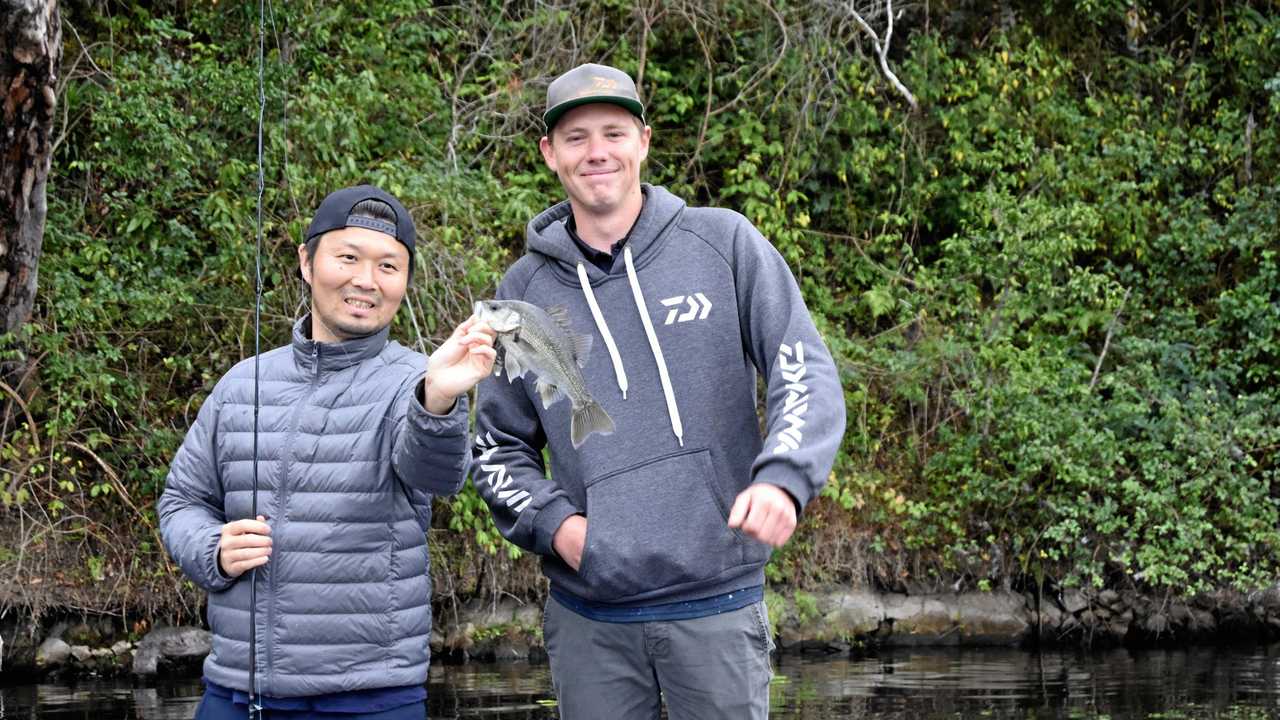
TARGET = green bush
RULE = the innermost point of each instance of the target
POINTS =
(1053, 292)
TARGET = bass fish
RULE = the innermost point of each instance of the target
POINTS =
(543, 342)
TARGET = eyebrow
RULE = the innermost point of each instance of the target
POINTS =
(349, 245)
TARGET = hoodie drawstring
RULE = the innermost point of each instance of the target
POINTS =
(673, 411)
(618, 371)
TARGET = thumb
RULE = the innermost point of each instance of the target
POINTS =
(740, 507)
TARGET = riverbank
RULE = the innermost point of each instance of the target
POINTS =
(849, 621)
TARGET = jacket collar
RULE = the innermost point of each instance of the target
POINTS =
(312, 355)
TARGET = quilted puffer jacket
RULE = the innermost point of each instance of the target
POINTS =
(348, 462)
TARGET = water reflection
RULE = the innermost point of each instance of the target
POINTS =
(923, 684)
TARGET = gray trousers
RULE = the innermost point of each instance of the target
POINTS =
(705, 668)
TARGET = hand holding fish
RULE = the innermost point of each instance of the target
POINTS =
(455, 367)
(765, 512)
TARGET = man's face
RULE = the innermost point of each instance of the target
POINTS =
(357, 277)
(596, 151)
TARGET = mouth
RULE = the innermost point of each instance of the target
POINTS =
(359, 304)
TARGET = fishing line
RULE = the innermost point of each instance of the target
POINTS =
(255, 695)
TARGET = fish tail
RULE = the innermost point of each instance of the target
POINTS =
(590, 418)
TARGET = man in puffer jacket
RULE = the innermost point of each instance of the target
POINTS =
(655, 537)
(353, 441)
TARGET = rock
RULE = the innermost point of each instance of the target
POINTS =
(437, 642)
(992, 618)
(1109, 598)
(122, 647)
(852, 615)
(1156, 624)
(52, 653)
(1073, 601)
(82, 634)
(103, 653)
(1126, 617)
(1117, 631)
(920, 621)
(1101, 612)
(1202, 621)
(170, 643)
(81, 653)
(512, 647)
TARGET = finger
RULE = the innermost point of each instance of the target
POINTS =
(472, 339)
(784, 534)
(243, 554)
(756, 519)
(247, 540)
(240, 527)
(739, 511)
(485, 351)
(466, 325)
(243, 566)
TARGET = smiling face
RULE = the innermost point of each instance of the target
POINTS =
(357, 277)
(596, 150)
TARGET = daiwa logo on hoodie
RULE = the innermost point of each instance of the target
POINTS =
(695, 306)
(497, 476)
(791, 365)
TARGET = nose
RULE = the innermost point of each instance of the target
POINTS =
(362, 276)
(596, 149)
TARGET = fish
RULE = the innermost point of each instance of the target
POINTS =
(543, 342)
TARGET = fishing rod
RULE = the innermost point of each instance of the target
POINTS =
(255, 696)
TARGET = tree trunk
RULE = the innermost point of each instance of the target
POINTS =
(30, 59)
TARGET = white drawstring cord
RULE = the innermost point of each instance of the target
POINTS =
(618, 371)
(672, 411)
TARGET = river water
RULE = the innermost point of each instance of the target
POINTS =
(921, 684)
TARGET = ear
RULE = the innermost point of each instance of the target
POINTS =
(304, 263)
(645, 135)
(548, 152)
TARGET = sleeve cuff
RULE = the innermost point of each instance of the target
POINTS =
(548, 521)
(218, 580)
(453, 423)
(798, 488)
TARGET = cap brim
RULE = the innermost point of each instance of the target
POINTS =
(552, 116)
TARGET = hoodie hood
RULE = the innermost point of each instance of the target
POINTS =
(547, 233)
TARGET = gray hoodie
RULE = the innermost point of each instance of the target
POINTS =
(348, 461)
(698, 303)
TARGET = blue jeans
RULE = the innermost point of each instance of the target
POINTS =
(213, 707)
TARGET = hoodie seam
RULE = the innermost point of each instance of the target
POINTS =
(728, 263)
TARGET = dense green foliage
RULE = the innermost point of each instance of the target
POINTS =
(1053, 292)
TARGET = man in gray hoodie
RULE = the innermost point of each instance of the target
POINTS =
(356, 434)
(655, 537)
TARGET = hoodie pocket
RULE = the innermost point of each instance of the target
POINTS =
(656, 526)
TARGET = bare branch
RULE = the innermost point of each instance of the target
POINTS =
(1106, 344)
(882, 50)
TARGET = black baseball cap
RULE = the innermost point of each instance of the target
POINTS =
(334, 213)
(591, 83)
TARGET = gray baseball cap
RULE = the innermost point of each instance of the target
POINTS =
(591, 83)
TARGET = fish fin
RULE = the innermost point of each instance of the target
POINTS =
(512, 366)
(560, 317)
(498, 360)
(590, 418)
(548, 392)
(581, 348)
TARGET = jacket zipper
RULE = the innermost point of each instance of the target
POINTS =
(282, 497)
